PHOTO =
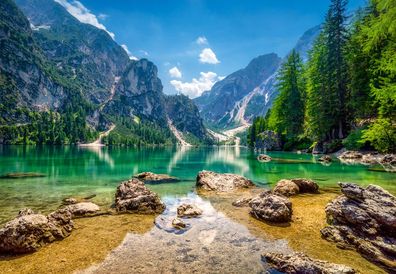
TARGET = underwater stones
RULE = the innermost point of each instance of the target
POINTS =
(364, 219)
(264, 158)
(83, 209)
(300, 263)
(222, 182)
(295, 186)
(134, 197)
(30, 231)
(242, 202)
(22, 175)
(325, 159)
(188, 210)
(149, 177)
(272, 208)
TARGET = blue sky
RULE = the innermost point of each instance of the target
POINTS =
(204, 40)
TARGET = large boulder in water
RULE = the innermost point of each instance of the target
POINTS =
(364, 219)
(30, 231)
(149, 177)
(264, 158)
(134, 197)
(295, 186)
(222, 182)
(300, 263)
(271, 208)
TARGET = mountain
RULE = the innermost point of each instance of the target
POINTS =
(248, 92)
(222, 105)
(63, 81)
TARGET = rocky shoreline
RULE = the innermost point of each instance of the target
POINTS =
(372, 207)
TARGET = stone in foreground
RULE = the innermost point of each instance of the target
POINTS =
(242, 202)
(264, 158)
(178, 224)
(295, 186)
(149, 177)
(301, 263)
(271, 208)
(187, 210)
(29, 231)
(325, 159)
(219, 182)
(364, 219)
(83, 209)
(133, 196)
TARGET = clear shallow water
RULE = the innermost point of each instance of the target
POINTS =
(73, 171)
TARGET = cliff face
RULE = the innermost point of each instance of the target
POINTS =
(52, 65)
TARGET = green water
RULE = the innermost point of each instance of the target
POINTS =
(74, 171)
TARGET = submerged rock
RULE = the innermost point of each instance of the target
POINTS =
(295, 186)
(325, 159)
(301, 263)
(264, 158)
(30, 231)
(21, 175)
(82, 209)
(134, 197)
(272, 208)
(149, 177)
(364, 219)
(188, 210)
(242, 202)
(225, 182)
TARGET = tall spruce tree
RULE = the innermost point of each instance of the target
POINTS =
(327, 84)
(287, 115)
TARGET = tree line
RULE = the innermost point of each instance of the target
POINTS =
(345, 94)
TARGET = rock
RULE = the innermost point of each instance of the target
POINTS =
(83, 209)
(389, 159)
(364, 219)
(325, 159)
(272, 208)
(286, 188)
(30, 231)
(178, 224)
(69, 201)
(350, 156)
(264, 158)
(301, 263)
(187, 210)
(149, 177)
(242, 202)
(295, 186)
(134, 197)
(226, 182)
(369, 159)
(22, 175)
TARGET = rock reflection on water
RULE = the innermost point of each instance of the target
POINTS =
(213, 244)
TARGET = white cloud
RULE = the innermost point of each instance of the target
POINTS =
(207, 56)
(196, 87)
(102, 16)
(125, 47)
(84, 15)
(175, 73)
(201, 40)
(221, 78)
(145, 53)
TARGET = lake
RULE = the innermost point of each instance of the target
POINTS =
(71, 171)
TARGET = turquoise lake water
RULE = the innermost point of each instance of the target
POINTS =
(73, 171)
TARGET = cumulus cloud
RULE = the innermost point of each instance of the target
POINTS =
(196, 87)
(84, 15)
(175, 73)
(201, 40)
(207, 56)
(125, 47)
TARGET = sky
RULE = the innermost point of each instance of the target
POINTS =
(195, 43)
